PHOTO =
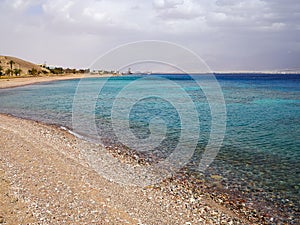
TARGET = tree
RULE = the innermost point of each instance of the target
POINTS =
(33, 71)
(1, 69)
(11, 62)
(8, 72)
(68, 70)
(17, 72)
(57, 70)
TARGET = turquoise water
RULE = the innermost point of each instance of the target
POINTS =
(260, 155)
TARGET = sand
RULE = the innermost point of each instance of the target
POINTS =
(21, 81)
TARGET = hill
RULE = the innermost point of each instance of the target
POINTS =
(19, 67)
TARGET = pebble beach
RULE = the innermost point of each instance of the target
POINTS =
(161, 112)
(46, 178)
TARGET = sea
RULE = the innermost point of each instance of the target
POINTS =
(258, 151)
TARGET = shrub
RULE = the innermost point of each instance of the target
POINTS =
(33, 71)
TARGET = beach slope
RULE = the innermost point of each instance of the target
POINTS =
(44, 179)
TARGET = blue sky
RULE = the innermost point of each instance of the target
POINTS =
(227, 34)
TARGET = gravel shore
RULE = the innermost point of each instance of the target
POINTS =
(44, 179)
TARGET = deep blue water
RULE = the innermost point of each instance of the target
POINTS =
(261, 148)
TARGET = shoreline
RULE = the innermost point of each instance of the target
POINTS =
(45, 172)
(195, 193)
(221, 199)
(23, 81)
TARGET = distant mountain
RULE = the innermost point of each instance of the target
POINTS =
(24, 67)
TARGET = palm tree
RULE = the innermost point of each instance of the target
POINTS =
(17, 72)
(11, 62)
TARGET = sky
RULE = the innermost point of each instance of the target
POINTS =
(229, 35)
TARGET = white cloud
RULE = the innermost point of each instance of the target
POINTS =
(95, 15)
(22, 4)
(187, 9)
(211, 28)
(92, 16)
(167, 4)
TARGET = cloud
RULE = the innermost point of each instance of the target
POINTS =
(173, 10)
(167, 4)
(92, 17)
(225, 32)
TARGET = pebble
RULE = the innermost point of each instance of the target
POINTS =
(216, 177)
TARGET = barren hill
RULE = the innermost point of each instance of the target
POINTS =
(24, 67)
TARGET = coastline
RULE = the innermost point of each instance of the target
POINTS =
(22, 81)
(197, 194)
(48, 180)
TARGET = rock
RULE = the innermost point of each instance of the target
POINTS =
(216, 177)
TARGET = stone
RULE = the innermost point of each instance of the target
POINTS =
(216, 177)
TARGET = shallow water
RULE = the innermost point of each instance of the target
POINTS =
(261, 148)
